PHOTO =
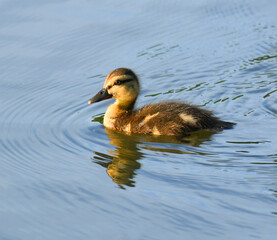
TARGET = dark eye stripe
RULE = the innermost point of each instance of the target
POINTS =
(119, 82)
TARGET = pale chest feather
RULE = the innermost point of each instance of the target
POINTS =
(109, 122)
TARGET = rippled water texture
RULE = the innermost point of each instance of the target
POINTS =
(64, 176)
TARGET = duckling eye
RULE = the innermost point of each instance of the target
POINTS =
(117, 82)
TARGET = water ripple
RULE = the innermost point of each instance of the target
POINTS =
(60, 165)
(36, 124)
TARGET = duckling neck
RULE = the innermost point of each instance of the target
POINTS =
(115, 110)
(125, 106)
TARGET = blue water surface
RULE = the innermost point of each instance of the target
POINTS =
(64, 176)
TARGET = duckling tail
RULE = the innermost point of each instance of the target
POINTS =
(226, 125)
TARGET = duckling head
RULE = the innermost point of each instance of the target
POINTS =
(121, 84)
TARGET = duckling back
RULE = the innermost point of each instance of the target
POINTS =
(168, 118)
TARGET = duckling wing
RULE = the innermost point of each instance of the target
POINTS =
(163, 119)
(173, 118)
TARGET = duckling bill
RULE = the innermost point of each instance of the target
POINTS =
(167, 118)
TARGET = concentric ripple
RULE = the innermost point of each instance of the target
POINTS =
(39, 126)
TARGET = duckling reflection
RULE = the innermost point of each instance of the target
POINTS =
(123, 162)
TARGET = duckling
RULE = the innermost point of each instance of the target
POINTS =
(166, 118)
